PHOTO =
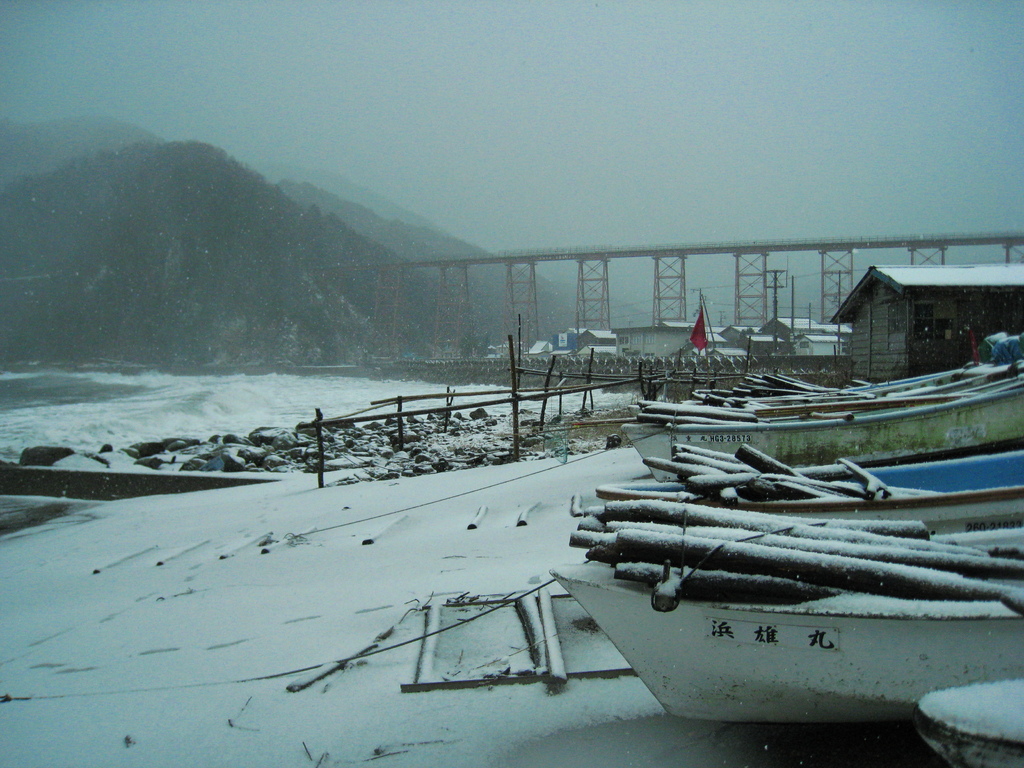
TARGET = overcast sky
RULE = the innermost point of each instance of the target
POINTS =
(541, 124)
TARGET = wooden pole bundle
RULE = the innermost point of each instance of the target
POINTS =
(683, 410)
(723, 586)
(731, 464)
(753, 475)
(686, 514)
(667, 544)
(826, 570)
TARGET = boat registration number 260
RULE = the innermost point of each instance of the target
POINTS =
(772, 634)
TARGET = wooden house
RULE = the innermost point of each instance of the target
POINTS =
(591, 338)
(664, 339)
(908, 321)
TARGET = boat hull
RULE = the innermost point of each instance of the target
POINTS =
(994, 419)
(979, 726)
(806, 663)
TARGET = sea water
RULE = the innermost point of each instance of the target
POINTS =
(84, 411)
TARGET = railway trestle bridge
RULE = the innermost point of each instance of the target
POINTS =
(593, 303)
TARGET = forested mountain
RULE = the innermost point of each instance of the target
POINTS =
(115, 244)
(175, 253)
(411, 242)
(29, 150)
(423, 242)
(341, 187)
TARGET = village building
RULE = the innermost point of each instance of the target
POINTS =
(788, 329)
(597, 349)
(564, 341)
(818, 344)
(588, 339)
(909, 321)
(736, 335)
(762, 344)
(661, 340)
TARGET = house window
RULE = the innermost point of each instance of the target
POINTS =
(927, 326)
(897, 318)
(897, 327)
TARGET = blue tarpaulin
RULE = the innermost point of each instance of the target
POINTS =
(1007, 351)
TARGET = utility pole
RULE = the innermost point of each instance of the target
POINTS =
(776, 284)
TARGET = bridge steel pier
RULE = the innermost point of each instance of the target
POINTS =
(669, 289)
(836, 280)
(1014, 253)
(935, 255)
(453, 309)
(387, 306)
(751, 288)
(521, 299)
(593, 304)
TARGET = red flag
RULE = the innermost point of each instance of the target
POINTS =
(975, 355)
(699, 337)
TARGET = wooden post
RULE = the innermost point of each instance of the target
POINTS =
(547, 382)
(319, 448)
(590, 370)
(515, 397)
(640, 376)
(448, 401)
(401, 429)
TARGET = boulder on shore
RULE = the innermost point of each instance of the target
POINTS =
(43, 455)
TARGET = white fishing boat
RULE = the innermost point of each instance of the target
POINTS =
(876, 431)
(762, 619)
(841, 659)
(975, 726)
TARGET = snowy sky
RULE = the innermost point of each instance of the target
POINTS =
(548, 124)
(516, 125)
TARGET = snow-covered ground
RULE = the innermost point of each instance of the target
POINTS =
(111, 659)
(177, 664)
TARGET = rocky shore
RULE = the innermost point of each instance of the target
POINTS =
(369, 451)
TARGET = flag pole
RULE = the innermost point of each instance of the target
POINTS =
(708, 334)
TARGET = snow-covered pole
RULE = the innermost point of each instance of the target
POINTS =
(547, 382)
(556, 663)
(401, 423)
(319, 448)
(590, 371)
(475, 522)
(515, 397)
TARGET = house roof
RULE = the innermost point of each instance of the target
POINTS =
(933, 276)
(823, 338)
(600, 335)
(728, 352)
(973, 275)
(807, 325)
